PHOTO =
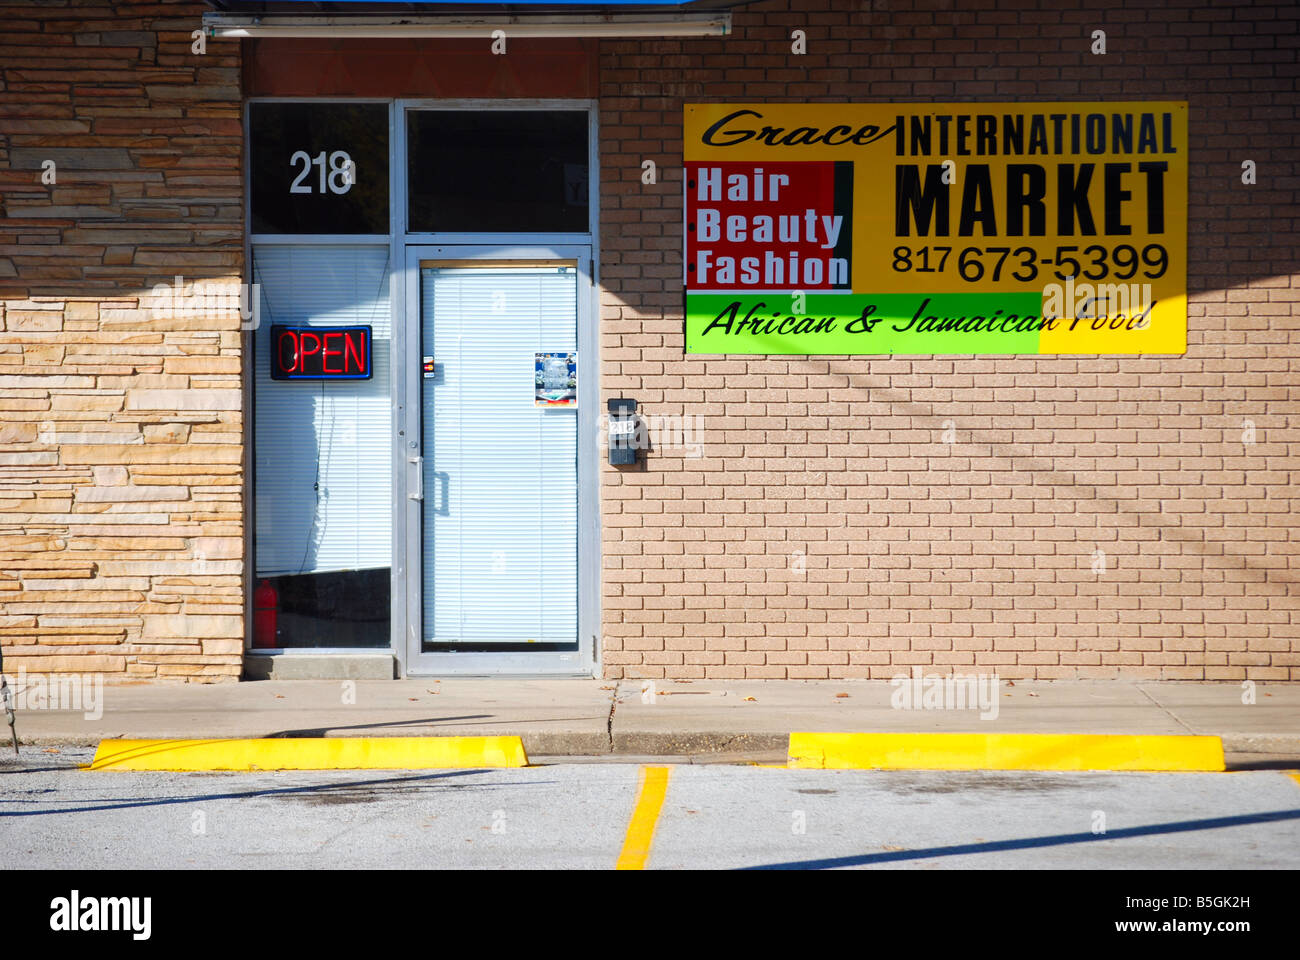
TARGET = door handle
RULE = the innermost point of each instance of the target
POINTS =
(418, 492)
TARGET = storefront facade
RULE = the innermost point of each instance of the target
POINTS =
(315, 342)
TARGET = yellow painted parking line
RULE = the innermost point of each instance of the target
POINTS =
(315, 753)
(992, 751)
(645, 815)
(1295, 777)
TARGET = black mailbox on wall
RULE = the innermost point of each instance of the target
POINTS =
(623, 438)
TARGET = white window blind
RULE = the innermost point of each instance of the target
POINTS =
(501, 493)
(323, 448)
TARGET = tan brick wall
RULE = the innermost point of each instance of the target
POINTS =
(977, 554)
(121, 431)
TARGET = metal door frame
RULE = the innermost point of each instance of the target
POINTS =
(408, 527)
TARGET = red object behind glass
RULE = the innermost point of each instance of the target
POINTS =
(266, 615)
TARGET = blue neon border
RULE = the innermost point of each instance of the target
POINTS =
(370, 342)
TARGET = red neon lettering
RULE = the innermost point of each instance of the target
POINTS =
(292, 365)
(326, 353)
(350, 349)
(303, 352)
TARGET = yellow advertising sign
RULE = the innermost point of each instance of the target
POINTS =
(971, 228)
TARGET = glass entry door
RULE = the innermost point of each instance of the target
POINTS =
(503, 400)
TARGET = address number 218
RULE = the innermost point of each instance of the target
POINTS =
(339, 178)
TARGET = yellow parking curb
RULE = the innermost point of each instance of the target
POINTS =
(318, 753)
(1003, 751)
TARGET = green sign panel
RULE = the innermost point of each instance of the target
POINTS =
(863, 323)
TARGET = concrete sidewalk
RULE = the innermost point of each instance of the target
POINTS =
(722, 720)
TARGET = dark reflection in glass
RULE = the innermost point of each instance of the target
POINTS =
(497, 171)
(343, 609)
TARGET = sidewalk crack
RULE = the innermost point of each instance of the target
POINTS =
(609, 721)
(1173, 716)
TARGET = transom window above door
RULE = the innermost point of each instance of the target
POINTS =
(498, 171)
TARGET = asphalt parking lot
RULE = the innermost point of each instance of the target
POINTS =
(574, 815)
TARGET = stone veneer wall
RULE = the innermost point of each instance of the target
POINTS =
(121, 428)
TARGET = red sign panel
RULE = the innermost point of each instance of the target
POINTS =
(320, 353)
(768, 226)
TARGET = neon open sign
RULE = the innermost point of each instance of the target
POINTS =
(320, 353)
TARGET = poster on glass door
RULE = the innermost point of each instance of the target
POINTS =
(555, 379)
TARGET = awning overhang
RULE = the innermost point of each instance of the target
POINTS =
(470, 18)
(552, 25)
